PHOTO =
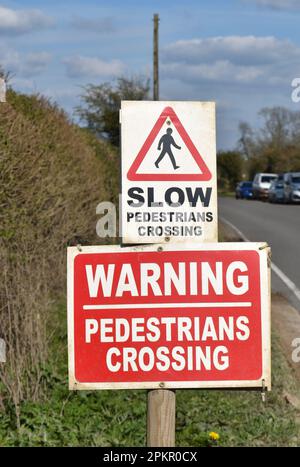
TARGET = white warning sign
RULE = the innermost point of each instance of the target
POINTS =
(168, 172)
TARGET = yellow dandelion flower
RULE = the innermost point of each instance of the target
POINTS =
(213, 435)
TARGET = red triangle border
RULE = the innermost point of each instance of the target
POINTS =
(132, 174)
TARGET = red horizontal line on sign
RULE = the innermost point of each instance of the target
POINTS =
(168, 305)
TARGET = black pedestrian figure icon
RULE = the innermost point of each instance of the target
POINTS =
(166, 141)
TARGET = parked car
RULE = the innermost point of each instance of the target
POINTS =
(291, 184)
(276, 191)
(261, 185)
(244, 190)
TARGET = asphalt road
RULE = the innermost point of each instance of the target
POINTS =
(279, 226)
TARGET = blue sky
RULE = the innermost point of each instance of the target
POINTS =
(241, 53)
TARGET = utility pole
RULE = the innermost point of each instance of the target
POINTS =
(155, 58)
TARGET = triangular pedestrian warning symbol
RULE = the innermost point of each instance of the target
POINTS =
(156, 160)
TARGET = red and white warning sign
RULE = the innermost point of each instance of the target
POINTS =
(169, 316)
(168, 172)
(189, 166)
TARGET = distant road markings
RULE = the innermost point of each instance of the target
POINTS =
(285, 279)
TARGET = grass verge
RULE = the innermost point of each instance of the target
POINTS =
(118, 418)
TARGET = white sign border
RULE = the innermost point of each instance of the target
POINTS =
(264, 254)
(129, 238)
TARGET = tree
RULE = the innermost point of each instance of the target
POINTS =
(275, 147)
(6, 75)
(230, 167)
(277, 126)
(101, 105)
(246, 143)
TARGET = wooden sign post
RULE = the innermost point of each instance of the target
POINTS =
(161, 418)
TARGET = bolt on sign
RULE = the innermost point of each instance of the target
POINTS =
(173, 316)
(169, 191)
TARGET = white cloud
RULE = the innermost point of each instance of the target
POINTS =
(25, 84)
(100, 25)
(246, 72)
(239, 59)
(14, 22)
(24, 66)
(243, 50)
(221, 70)
(278, 4)
(80, 66)
(35, 63)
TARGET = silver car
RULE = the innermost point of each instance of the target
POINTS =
(291, 183)
(276, 191)
(261, 185)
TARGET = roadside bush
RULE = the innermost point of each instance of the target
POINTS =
(53, 174)
(230, 168)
